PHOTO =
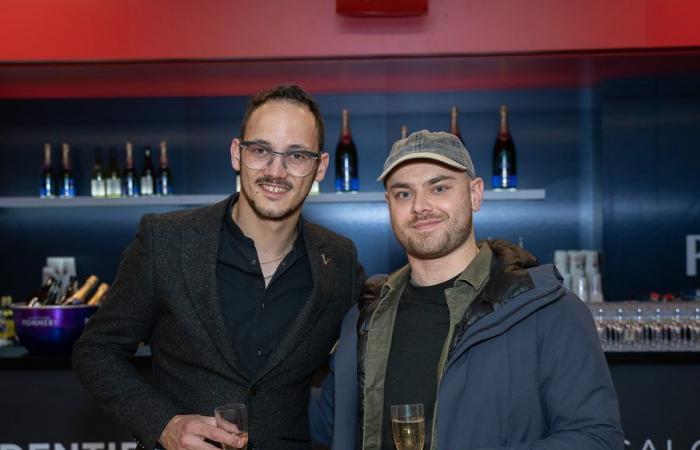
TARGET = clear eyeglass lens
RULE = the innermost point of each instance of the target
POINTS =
(256, 157)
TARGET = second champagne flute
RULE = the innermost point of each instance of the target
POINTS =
(408, 426)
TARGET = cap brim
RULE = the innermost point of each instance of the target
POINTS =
(421, 155)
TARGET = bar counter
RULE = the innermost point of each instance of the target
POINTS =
(658, 392)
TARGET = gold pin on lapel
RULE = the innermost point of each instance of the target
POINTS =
(325, 260)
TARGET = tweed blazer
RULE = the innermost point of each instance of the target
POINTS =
(165, 293)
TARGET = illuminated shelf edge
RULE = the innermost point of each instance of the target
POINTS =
(194, 200)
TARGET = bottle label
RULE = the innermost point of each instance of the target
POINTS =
(347, 185)
(346, 180)
(130, 187)
(46, 190)
(97, 188)
(163, 187)
(147, 185)
(315, 188)
(114, 187)
(504, 170)
(505, 182)
(67, 187)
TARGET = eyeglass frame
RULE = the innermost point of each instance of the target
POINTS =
(315, 156)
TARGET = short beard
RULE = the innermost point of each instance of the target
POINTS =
(452, 237)
(268, 213)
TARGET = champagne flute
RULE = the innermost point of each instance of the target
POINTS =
(233, 418)
(408, 426)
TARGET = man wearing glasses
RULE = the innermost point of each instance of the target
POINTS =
(240, 301)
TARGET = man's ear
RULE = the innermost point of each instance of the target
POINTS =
(322, 166)
(236, 154)
(476, 193)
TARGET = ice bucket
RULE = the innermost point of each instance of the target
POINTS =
(50, 330)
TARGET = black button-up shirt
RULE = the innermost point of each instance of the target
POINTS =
(257, 316)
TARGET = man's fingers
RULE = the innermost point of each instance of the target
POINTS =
(209, 420)
(208, 429)
(226, 438)
(195, 442)
(187, 432)
(190, 432)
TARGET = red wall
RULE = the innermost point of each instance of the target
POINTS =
(119, 30)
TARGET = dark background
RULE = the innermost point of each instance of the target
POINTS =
(619, 163)
(44, 403)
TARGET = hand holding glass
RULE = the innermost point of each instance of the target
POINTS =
(408, 426)
(233, 419)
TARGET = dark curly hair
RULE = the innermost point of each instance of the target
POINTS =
(290, 93)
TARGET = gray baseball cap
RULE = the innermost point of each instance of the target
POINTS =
(439, 146)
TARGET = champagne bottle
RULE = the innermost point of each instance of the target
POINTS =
(7, 324)
(40, 297)
(98, 185)
(148, 175)
(504, 159)
(404, 131)
(454, 123)
(47, 187)
(315, 188)
(101, 291)
(81, 294)
(71, 288)
(131, 185)
(164, 179)
(346, 176)
(67, 186)
(114, 181)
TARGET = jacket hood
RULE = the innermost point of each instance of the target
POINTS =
(508, 276)
(517, 287)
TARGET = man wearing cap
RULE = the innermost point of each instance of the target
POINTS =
(499, 353)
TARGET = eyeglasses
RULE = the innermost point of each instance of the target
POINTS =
(298, 163)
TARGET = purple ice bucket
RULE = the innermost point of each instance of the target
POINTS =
(50, 330)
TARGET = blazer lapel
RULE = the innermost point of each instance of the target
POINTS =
(320, 261)
(200, 247)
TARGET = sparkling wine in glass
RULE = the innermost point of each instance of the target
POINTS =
(408, 426)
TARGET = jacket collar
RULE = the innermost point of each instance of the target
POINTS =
(200, 244)
(475, 274)
(199, 250)
(517, 287)
(322, 261)
(396, 280)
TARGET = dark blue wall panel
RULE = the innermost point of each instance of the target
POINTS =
(618, 162)
(651, 180)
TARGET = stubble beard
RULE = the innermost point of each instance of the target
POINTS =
(273, 213)
(455, 233)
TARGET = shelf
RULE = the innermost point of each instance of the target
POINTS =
(195, 200)
(517, 194)
(35, 202)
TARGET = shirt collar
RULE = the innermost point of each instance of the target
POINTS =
(246, 244)
(476, 274)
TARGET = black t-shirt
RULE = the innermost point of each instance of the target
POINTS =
(422, 325)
